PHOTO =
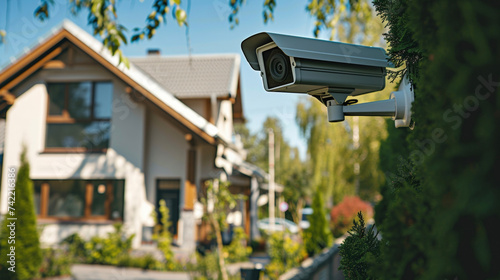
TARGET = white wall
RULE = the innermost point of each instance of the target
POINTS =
(225, 119)
(198, 105)
(166, 154)
(26, 121)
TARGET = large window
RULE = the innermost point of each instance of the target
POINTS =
(79, 116)
(79, 199)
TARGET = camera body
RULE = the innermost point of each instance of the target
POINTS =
(329, 71)
(303, 65)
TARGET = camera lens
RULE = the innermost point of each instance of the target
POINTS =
(278, 67)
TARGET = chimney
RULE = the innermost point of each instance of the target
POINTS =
(154, 52)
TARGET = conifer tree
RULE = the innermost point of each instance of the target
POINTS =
(19, 240)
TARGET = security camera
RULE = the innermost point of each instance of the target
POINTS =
(329, 71)
(303, 65)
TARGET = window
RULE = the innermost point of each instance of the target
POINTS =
(79, 199)
(79, 116)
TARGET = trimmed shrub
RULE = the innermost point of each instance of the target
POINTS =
(342, 214)
(27, 253)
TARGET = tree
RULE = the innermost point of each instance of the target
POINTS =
(19, 238)
(217, 203)
(318, 235)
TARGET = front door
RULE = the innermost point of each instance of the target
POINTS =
(168, 190)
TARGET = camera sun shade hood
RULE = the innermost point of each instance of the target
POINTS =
(321, 50)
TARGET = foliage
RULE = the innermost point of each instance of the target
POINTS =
(163, 236)
(147, 261)
(206, 267)
(440, 211)
(360, 246)
(237, 251)
(285, 254)
(55, 263)
(217, 202)
(108, 250)
(404, 51)
(343, 213)
(317, 236)
(28, 255)
(75, 247)
(347, 21)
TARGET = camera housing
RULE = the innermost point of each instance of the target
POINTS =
(329, 71)
(303, 65)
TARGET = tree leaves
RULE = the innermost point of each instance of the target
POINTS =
(352, 21)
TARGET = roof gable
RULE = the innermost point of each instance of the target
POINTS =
(142, 83)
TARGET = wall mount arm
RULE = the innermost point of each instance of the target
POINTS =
(398, 106)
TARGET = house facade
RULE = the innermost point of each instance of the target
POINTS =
(106, 142)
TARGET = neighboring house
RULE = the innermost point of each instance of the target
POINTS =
(106, 142)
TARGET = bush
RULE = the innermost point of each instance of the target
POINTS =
(108, 250)
(75, 246)
(343, 213)
(359, 249)
(237, 251)
(285, 254)
(55, 263)
(206, 266)
(28, 255)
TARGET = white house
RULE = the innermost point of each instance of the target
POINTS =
(106, 142)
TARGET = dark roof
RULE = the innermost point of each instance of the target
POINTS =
(195, 76)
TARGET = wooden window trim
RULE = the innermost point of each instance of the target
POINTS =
(65, 118)
(89, 193)
(87, 216)
(44, 198)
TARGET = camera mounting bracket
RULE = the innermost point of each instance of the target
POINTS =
(398, 106)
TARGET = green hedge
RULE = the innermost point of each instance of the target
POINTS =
(439, 216)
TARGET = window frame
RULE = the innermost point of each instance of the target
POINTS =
(65, 117)
(88, 199)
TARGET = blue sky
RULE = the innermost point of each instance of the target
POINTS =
(209, 32)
